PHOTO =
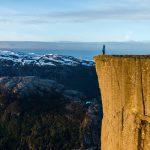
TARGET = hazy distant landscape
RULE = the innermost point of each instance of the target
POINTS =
(71, 70)
(85, 50)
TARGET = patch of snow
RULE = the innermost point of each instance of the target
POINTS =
(42, 60)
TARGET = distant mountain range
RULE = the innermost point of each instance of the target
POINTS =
(112, 47)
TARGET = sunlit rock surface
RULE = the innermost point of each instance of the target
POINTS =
(125, 87)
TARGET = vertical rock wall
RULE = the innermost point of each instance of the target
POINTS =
(125, 88)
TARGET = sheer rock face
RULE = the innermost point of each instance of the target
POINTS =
(125, 87)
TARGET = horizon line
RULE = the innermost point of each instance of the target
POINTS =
(40, 41)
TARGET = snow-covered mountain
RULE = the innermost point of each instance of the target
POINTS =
(73, 73)
(49, 59)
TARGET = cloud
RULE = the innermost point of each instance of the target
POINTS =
(91, 15)
(140, 13)
(5, 20)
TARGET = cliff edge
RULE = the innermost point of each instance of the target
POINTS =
(125, 88)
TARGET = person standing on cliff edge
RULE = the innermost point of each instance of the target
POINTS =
(103, 50)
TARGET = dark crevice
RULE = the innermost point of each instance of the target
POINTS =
(139, 138)
(141, 130)
(142, 90)
(141, 133)
(122, 117)
(117, 77)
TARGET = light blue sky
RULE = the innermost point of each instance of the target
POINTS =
(75, 20)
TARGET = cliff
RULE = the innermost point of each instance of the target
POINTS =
(125, 88)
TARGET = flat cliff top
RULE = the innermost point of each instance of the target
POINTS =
(122, 56)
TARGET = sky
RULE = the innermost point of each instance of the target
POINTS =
(75, 20)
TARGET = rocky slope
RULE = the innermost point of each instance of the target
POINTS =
(42, 114)
(125, 87)
(38, 113)
(73, 73)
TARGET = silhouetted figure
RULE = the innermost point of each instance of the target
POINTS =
(103, 50)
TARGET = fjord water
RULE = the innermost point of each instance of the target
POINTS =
(84, 54)
(84, 50)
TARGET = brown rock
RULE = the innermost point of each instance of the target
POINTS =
(125, 88)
